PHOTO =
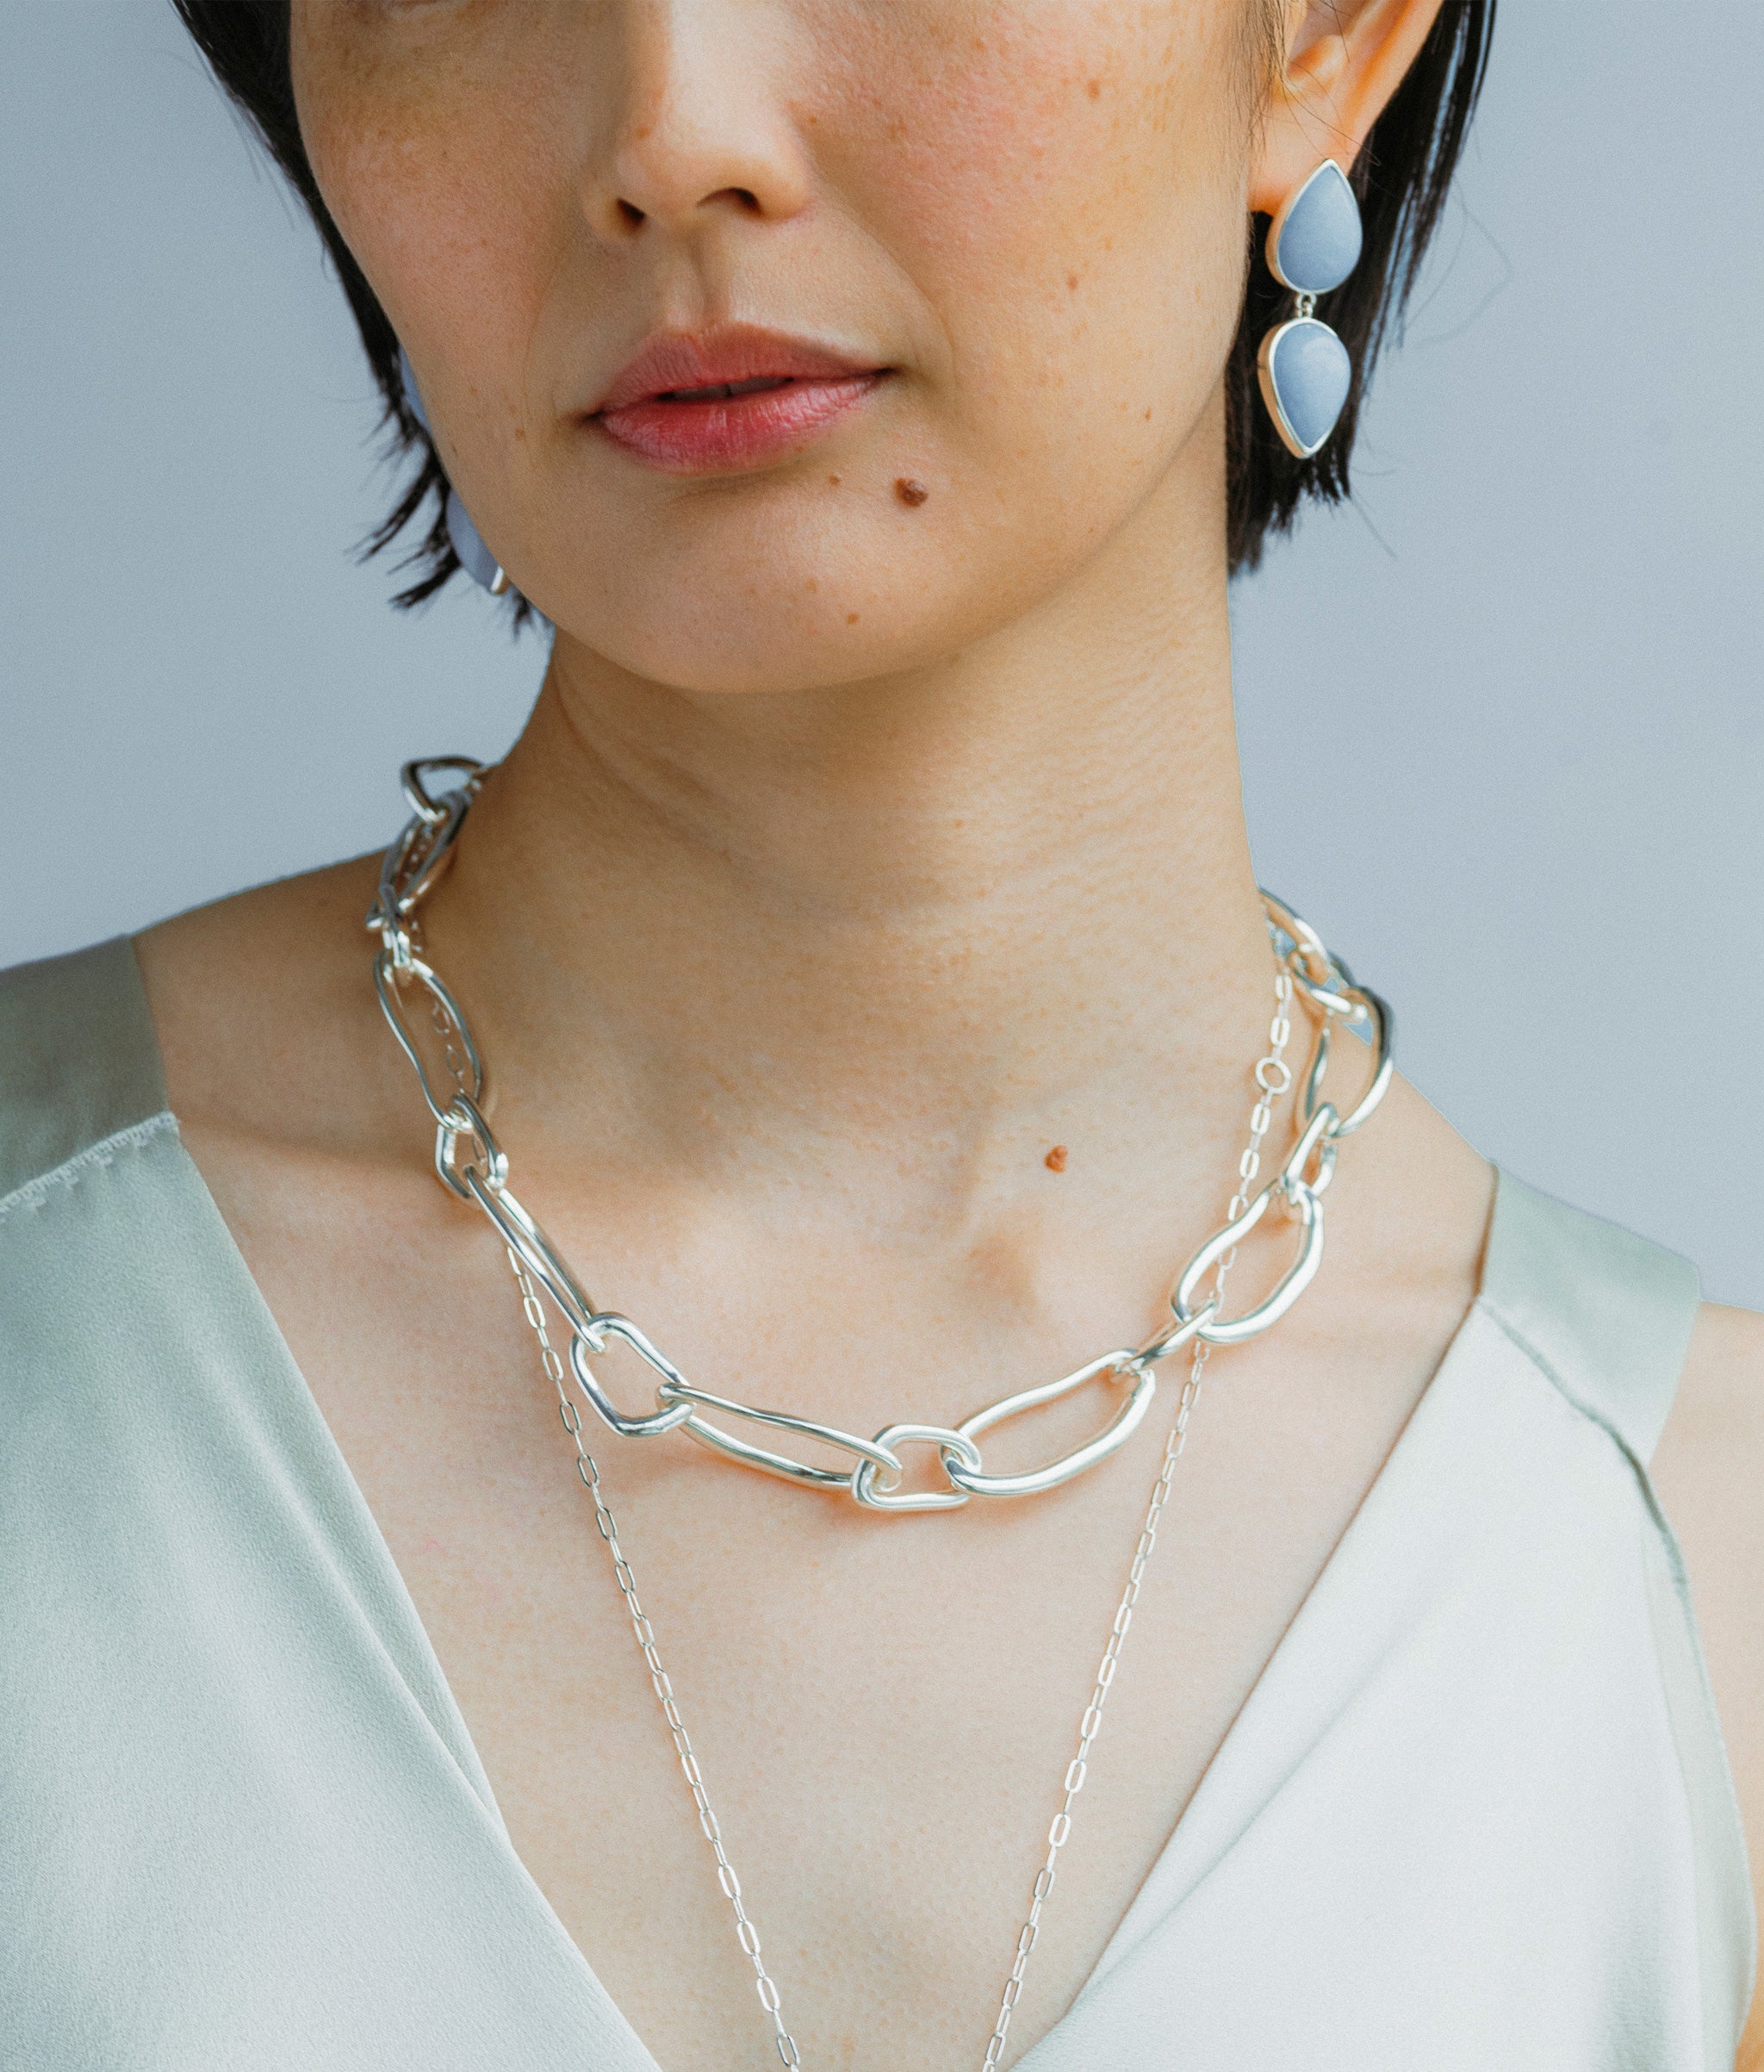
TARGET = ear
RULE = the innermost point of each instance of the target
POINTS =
(1340, 62)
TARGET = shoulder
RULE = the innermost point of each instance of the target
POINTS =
(1709, 1469)
(84, 1137)
(1605, 1314)
(78, 1063)
(1709, 1472)
(210, 1015)
(1724, 1371)
(252, 996)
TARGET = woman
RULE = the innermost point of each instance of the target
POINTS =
(878, 1006)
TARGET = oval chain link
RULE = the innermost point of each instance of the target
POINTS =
(471, 1164)
(645, 1635)
(413, 866)
(1175, 1443)
(1078, 1770)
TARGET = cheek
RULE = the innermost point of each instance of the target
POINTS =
(444, 213)
(1064, 183)
(1044, 197)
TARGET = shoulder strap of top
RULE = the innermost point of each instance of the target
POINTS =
(1608, 1315)
(79, 1058)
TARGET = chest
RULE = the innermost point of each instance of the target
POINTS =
(882, 1709)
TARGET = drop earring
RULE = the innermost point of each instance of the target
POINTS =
(474, 557)
(468, 543)
(1314, 244)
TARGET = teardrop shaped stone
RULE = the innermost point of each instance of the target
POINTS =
(1319, 237)
(1311, 373)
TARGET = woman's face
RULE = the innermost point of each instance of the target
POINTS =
(993, 249)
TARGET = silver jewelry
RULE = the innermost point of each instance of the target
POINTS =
(414, 865)
(1314, 244)
(472, 1164)
(462, 535)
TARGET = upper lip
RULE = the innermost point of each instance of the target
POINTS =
(740, 353)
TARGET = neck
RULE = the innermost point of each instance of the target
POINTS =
(926, 926)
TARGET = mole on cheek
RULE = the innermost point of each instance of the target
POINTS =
(911, 493)
(1055, 1160)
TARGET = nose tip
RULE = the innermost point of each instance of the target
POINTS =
(630, 216)
(682, 181)
(705, 134)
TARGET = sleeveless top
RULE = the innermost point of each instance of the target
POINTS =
(1476, 1813)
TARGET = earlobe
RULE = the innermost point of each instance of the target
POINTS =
(1331, 90)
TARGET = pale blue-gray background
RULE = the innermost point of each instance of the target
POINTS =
(1503, 722)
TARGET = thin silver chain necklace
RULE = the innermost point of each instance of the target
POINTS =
(473, 1167)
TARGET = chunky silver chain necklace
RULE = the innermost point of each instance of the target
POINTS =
(472, 1165)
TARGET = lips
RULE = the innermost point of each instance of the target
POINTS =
(696, 404)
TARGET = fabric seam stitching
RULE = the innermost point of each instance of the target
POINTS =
(1518, 1340)
(69, 1174)
(1667, 1540)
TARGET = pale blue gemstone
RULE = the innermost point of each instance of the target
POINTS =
(1320, 240)
(1311, 372)
(474, 557)
(413, 395)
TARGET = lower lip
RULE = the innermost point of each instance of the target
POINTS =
(735, 431)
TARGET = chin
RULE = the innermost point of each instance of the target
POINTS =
(784, 604)
(812, 577)
(723, 645)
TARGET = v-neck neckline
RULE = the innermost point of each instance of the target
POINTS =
(1130, 1926)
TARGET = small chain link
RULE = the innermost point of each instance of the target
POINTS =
(645, 1635)
(588, 1469)
(1273, 1078)
(446, 1029)
(411, 866)
(472, 1165)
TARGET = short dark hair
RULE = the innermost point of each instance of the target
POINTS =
(1401, 177)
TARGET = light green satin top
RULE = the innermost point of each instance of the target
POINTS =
(1474, 1815)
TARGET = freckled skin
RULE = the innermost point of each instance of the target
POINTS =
(919, 181)
(782, 990)
(841, 861)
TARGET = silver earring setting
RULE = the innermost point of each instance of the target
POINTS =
(1314, 244)
(474, 557)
